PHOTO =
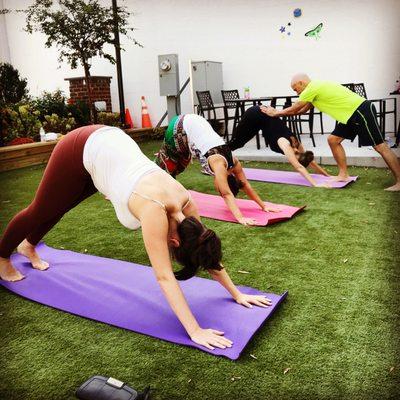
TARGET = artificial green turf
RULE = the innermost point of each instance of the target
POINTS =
(338, 331)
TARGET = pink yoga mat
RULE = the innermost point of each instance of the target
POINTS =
(291, 178)
(128, 296)
(214, 207)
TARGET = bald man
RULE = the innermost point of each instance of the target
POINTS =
(355, 115)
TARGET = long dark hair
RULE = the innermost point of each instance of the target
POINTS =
(199, 247)
(305, 158)
(234, 184)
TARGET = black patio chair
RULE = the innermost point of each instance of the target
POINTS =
(381, 113)
(206, 106)
(228, 95)
(359, 88)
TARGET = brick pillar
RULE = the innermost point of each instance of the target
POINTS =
(100, 86)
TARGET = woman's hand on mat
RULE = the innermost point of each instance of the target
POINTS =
(271, 209)
(324, 185)
(247, 221)
(210, 338)
(248, 299)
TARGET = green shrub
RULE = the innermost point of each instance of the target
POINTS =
(57, 124)
(80, 111)
(51, 103)
(108, 118)
(20, 120)
(12, 87)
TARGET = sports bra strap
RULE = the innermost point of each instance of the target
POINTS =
(162, 205)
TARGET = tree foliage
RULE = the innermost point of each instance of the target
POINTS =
(78, 28)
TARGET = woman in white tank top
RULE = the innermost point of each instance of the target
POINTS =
(143, 195)
(192, 134)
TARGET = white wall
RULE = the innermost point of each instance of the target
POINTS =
(359, 43)
(4, 46)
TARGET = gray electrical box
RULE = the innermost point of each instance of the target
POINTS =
(207, 75)
(168, 71)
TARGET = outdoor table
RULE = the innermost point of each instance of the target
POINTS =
(241, 103)
(397, 93)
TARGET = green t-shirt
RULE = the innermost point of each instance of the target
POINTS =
(332, 98)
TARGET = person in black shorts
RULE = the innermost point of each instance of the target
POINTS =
(355, 116)
(362, 123)
(279, 138)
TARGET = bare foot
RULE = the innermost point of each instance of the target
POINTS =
(394, 188)
(28, 250)
(340, 178)
(8, 272)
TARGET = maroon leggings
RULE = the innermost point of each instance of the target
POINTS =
(64, 185)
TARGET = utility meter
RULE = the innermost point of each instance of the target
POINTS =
(165, 65)
(168, 72)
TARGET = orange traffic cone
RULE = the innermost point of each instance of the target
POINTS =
(128, 119)
(146, 123)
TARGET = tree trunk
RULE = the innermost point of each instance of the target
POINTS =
(92, 108)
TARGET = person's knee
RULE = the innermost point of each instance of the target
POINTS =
(334, 140)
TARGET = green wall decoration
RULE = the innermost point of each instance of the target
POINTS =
(315, 33)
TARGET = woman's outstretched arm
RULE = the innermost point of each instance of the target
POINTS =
(246, 300)
(249, 190)
(288, 151)
(155, 235)
(221, 184)
(318, 169)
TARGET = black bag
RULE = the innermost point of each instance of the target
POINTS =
(102, 388)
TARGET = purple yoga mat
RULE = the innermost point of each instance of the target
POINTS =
(291, 178)
(127, 295)
(211, 206)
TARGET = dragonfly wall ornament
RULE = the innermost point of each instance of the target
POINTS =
(315, 32)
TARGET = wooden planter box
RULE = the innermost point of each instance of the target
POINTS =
(25, 155)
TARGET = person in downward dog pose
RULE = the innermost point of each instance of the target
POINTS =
(105, 159)
(190, 134)
(279, 138)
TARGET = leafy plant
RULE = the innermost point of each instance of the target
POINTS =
(20, 120)
(109, 118)
(51, 103)
(55, 103)
(57, 124)
(12, 86)
(80, 111)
